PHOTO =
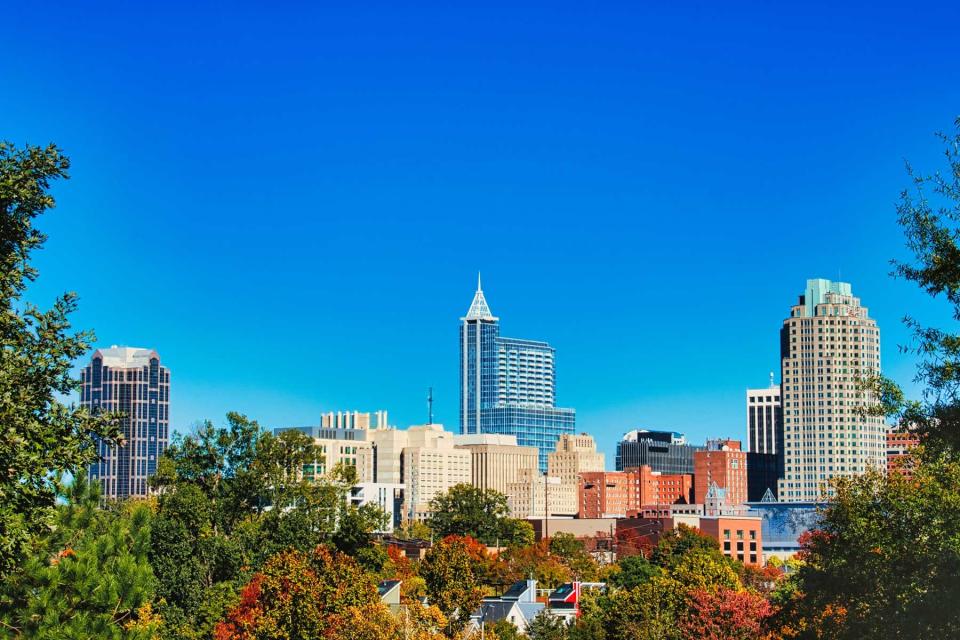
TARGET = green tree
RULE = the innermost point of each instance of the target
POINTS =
(885, 559)
(633, 571)
(41, 438)
(451, 582)
(546, 626)
(677, 543)
(88, 578)
(482, 514)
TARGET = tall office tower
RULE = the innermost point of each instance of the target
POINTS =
(828, 345)
(765, 420)
(507, 386)
(133, 383)
(663, 451)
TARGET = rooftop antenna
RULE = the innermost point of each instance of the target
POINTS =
(430, 405)
(771, 378)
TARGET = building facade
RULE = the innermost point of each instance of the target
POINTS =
(424, 460)
(765, 419)
(507, 385)
(495, 460)
(899, 444)
(663, 451)
(722, 464)
(574, 454)
(527, 496)
(617, 494)
(133, 383)
(828, 345)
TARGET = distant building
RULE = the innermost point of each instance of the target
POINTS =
(389, 497)
(663, 451)
(765, 419)
(496, 460)
(574, 454)
(343, 439)
(739, 537)
(508, 386)
(616, 494)
(782, 524)
(764, 471)
(899, 444)
(828, 344)
(133, 383)
(722, 464)
(528, 495)
(424, 459)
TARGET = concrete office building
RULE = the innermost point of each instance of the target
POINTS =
(496, 460)
(424, 459)
(133, 383)
(663, 451)
(574, 454)
(527, 496)
(828, 344)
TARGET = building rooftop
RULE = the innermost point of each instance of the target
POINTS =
(479, 309)
(126, 356)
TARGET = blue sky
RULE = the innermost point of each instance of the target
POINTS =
(291, 203)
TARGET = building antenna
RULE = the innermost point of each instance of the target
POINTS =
(771, 378)
(430, 405)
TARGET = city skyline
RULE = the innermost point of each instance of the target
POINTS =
(309, 206)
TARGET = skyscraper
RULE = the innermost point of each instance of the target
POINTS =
(828, 345)
(765, 419)
(133, 383)
(507, 386)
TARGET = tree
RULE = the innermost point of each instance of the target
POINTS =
(299, 595)
(573, 553)
(88, 577)
(482, 514)
(884, 553)
(451, 583)
(676, 543)
(725, 614)
(41, 438)
(884, 559)
(633, 571)
(930, 217)
(546, 626)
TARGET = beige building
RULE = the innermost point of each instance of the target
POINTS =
(424, 459)
(575, 454)
(527, 496)
(496, 460)
(354, 420)
(355, 453)
(828, 344)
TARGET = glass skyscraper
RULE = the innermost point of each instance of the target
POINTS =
(507, 386)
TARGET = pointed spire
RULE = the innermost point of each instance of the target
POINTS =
(479, 309)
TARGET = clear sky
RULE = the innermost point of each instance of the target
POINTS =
(292, 203)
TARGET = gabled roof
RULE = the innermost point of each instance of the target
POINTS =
(387, 586)
(479, 309)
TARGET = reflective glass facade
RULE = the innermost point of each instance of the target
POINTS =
(507, 385)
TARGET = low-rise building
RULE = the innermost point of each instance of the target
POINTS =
(618, 493)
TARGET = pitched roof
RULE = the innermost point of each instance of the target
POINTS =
(479, 309)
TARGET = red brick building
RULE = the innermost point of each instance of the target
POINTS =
(739, 537)
(899, 444)
(722, 463)
(605, 494)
